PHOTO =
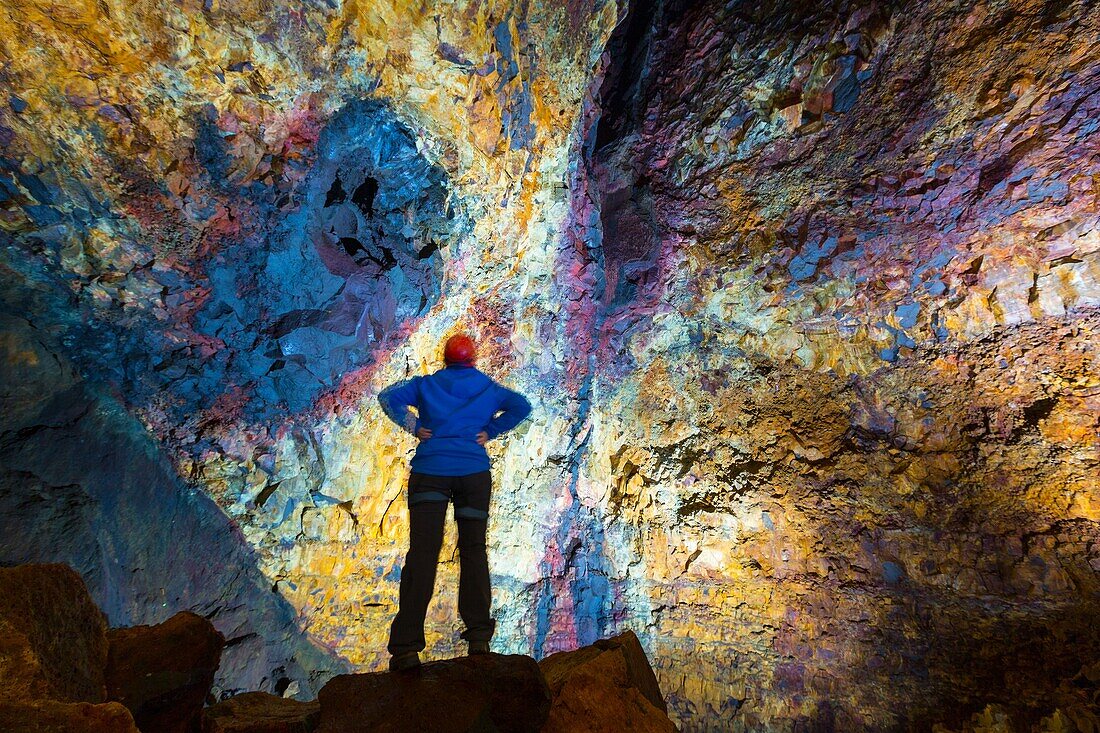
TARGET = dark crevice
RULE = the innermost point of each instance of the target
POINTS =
(239, 639)
(695, 505)
(352, 246)
(294, 320)
(336, 194)
(428, 250)
(386, 261)
(620, 93)
(1039, 410)
(364, 195)
(1001, 168)
(266, 493)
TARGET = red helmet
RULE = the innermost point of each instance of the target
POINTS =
(460, 350)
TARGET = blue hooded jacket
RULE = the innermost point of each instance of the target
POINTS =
(455, 403)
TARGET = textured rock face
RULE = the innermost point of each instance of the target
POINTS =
(52, 716)
(54, 642)
(163, 673)
(261, 712)
(488, 692)
(53, 650)
(82, 482)
(608, 686)
(806, 295)
(863, 453)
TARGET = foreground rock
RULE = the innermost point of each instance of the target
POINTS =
(608, 686)
(54, 647)
(53, 642)
(51, 716)
(260, 712)
(20, 667)
(490, 692)
(163, 673)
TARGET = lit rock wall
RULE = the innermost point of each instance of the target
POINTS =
(846, 449)
(805, 295)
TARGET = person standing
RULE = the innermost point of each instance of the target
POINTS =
(458, 409)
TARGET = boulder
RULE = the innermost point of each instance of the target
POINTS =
(261, 712)
(51, 716)
(20, 668)
(608, 686)
(163, 673)
(53, 641)
(490, 692)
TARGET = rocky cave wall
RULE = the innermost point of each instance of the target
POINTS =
(805, 295)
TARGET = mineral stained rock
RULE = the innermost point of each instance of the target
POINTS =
(606, 687)
(806, 295)
(82, 482)
(53, 642)
(163, 673)
(53, 716)
(261, 712)
(487, 692)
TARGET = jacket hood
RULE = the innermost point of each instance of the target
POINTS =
(462, 382)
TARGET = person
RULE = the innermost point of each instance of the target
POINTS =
(458, 410)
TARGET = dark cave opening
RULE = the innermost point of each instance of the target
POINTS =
(620, 93)
(363, 197)
(335, 194)
(343, 269)
(352, 246)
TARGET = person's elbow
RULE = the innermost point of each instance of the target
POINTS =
(517, 408)
(385, 396)
(518, 412)
(524, 409)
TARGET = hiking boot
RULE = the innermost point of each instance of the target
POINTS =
(406, 660)
(479, 647)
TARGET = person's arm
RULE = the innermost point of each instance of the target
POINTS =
(396, 401)
(515, 408)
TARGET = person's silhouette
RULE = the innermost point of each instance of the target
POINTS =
(458, 410)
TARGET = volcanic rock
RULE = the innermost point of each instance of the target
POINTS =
(261, 712)
(24, 678)
(51, 716)
(53, 641)
(490, 692)
(163, 673)
(78, 474)
(807, 295)
(608, 686)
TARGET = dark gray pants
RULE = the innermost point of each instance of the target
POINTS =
(428, 499)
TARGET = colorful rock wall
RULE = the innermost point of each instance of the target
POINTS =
(805, 295)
